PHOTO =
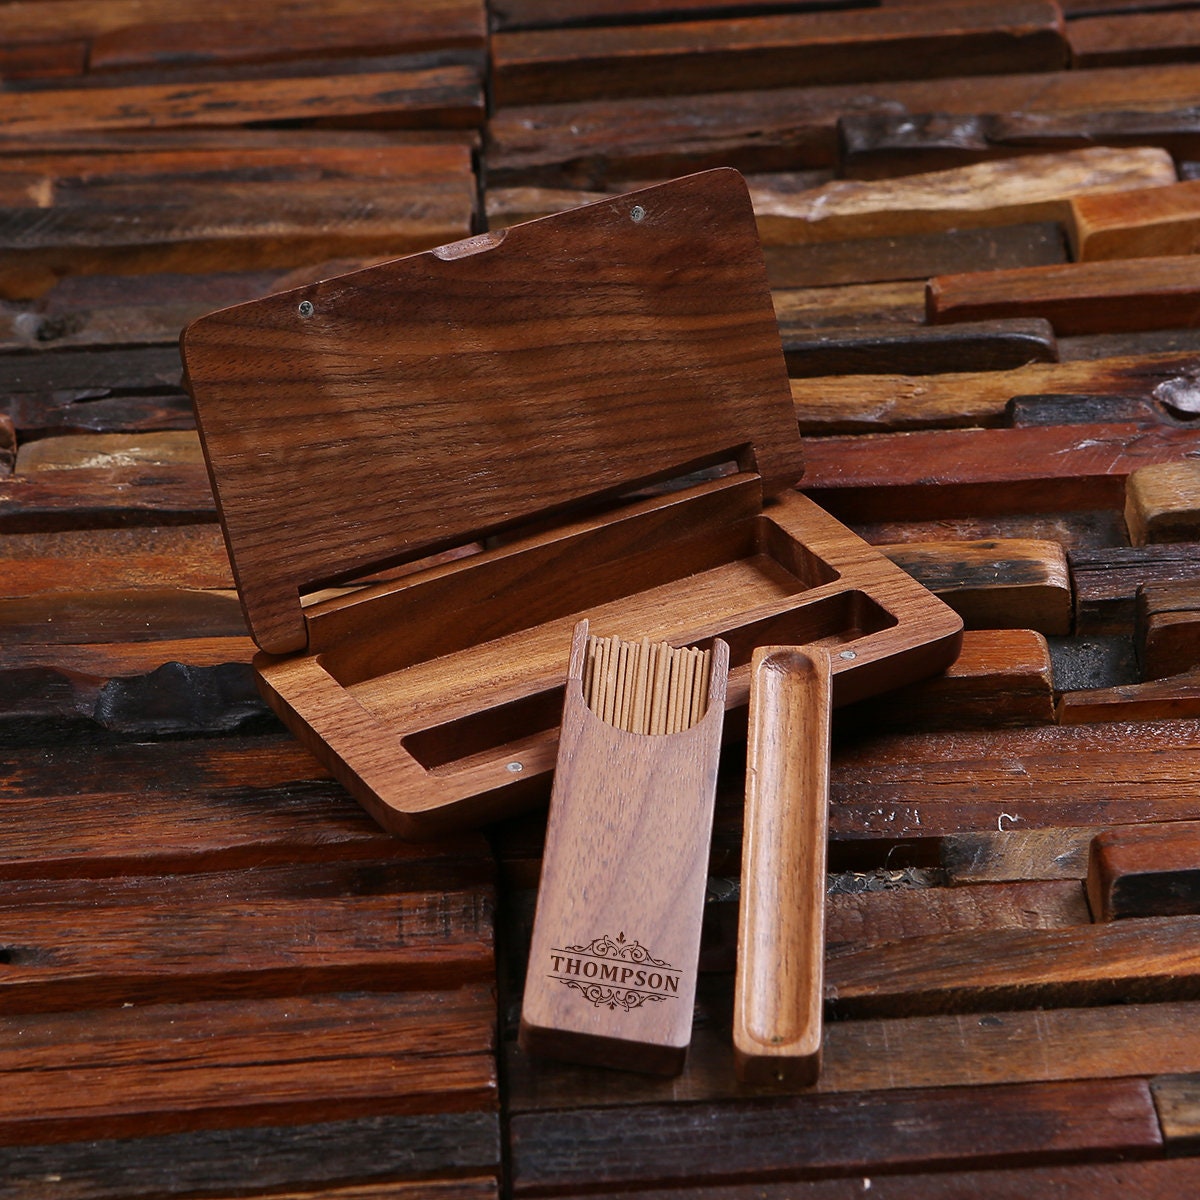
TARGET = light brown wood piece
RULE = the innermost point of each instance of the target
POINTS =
(1177, 1101)
(1162, 503)
(1005, 192)
(616, 938)
(778, 992)
(878, 403)
(1140, 224)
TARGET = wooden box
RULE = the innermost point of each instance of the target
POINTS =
(597, 398)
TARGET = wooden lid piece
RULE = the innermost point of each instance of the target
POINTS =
(426, 402)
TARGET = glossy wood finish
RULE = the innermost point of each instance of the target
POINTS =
(779, 993)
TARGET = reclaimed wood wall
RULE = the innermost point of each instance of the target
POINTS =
(217, 978)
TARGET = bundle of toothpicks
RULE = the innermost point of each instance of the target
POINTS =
(645, 687)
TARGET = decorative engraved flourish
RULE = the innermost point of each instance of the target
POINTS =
(614, 997)
(607, 947)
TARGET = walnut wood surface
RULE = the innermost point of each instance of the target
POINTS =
(552, 332)
(622, 885)
(779, 990)
(789, 570)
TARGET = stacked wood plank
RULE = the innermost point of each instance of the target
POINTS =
(216, 976)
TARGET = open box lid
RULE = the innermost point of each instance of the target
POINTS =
(385, 414)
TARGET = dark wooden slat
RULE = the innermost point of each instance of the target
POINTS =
(550, 14)
(366, 1149)
(1001, 678)
(590, 1148)
(1177, 1098)
(869, 350)
(248, 226)
(1146, 1180)
(995, 584)
(930, 784)
(1076, 298)
(1168, 628)
(915, 256)
(1160, 699)
(884, 1054)
(113, 496)
(1145, 871)
(1146, 37)
(776, 51)
(174, 950)
(230, 38)
(930, 473)
(1107, 580)
(880, 144)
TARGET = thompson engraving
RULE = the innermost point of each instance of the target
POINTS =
(614, 972)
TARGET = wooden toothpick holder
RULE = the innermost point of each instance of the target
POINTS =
(593, 407)
(616, 938)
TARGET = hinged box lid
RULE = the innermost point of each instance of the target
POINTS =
(427, 402)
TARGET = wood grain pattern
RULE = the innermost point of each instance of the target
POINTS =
(1078, 298)
(995, 584)
(166, 1068)
(877, 404)
(1142, 37)
(1145, 871)
(1177, 1099)
(1162, 503)
(984, 470)
(1031, 188)
(880, 144)
(612, 960)
(1152, 221)
(438, 97)
(418, 1148)
(803, 1136)
(274, 555)
(776, 51)
(781, 932)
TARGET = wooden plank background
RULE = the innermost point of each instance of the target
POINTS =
(217, 978)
